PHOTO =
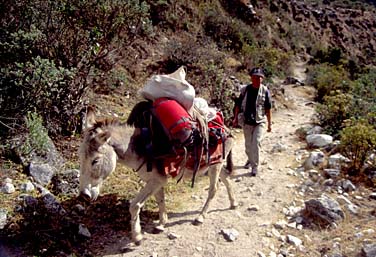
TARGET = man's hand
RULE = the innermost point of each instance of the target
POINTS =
(269, 128)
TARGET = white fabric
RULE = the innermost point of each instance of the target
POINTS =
(172, 85)
(202, 105)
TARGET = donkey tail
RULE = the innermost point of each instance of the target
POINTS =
(229, 162)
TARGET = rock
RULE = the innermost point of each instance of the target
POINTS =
(319, 140)
(278, 147)
(230, 234)
(27, 187)
(66, 183)
(3, 218)
(294, 240)
(369, 250)
(8, 188)
(343, 199)
(281, 224)
(173, 236)
(260, 254)
(52, 205)
(83, 231)
(41, 172)
(348, 186)
(253, 208)
(314, 159)
(332, 173)
(337, 160)
(324, 210)
(315, 130)
(352, 208)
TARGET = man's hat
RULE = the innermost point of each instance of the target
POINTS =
(257, 72)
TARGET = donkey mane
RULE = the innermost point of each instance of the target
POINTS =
(106, 123)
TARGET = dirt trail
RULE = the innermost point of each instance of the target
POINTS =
(272, 190)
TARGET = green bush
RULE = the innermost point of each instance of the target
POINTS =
(328, 80)
(38, 85)
(50, 51)
(334, 111)
(330, 55)
(229, 34)
(273, 60)
(37, 139)
(358, 140)
(364, 92)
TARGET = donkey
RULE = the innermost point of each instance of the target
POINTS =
(106, 141)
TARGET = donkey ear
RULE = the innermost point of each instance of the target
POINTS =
(90, 117)
(103, 137)
(99, 140)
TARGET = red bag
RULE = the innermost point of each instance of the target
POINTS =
(217, 131)
(175, 120)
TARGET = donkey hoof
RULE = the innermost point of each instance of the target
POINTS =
(198, 221)
(158, 229)
(234, 206)
(137, 240)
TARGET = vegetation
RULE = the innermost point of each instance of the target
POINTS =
(51, 51)
(344, 100)
(358, 141)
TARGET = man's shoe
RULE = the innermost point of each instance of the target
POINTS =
(247, 165)
(254, 171)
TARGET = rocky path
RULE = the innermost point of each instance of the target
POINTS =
(262, 198)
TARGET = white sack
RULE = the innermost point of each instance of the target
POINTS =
(202, 105)
(172, 85)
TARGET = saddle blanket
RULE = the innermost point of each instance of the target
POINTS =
(174, 164)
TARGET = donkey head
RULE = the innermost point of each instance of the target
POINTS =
(97, 156)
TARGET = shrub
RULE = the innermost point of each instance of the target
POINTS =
(358, 140)
(334, 111)
(364, 92)
(328, 80)
(49, 49)
(39, 85)
(273, 60)
(37, 139)
(229, 34)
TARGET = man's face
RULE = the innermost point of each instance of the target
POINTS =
(256, 80)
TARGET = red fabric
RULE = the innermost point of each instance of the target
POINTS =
(172, 165)
(174, 118)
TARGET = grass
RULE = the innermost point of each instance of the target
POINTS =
(125, 183)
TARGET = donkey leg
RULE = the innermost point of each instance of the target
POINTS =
(136, 205)
(225, 179)
(160, 197)
(213, 176)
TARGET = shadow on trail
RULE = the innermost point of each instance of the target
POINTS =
(36, 231)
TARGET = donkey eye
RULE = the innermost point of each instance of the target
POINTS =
(95, 161)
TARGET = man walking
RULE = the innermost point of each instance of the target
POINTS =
(252, 113)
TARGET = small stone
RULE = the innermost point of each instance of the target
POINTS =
(253, 208)
(83, 231)
(260, 254)
(8, 188)
(173, 236)
(294, 240)
(230, 234)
